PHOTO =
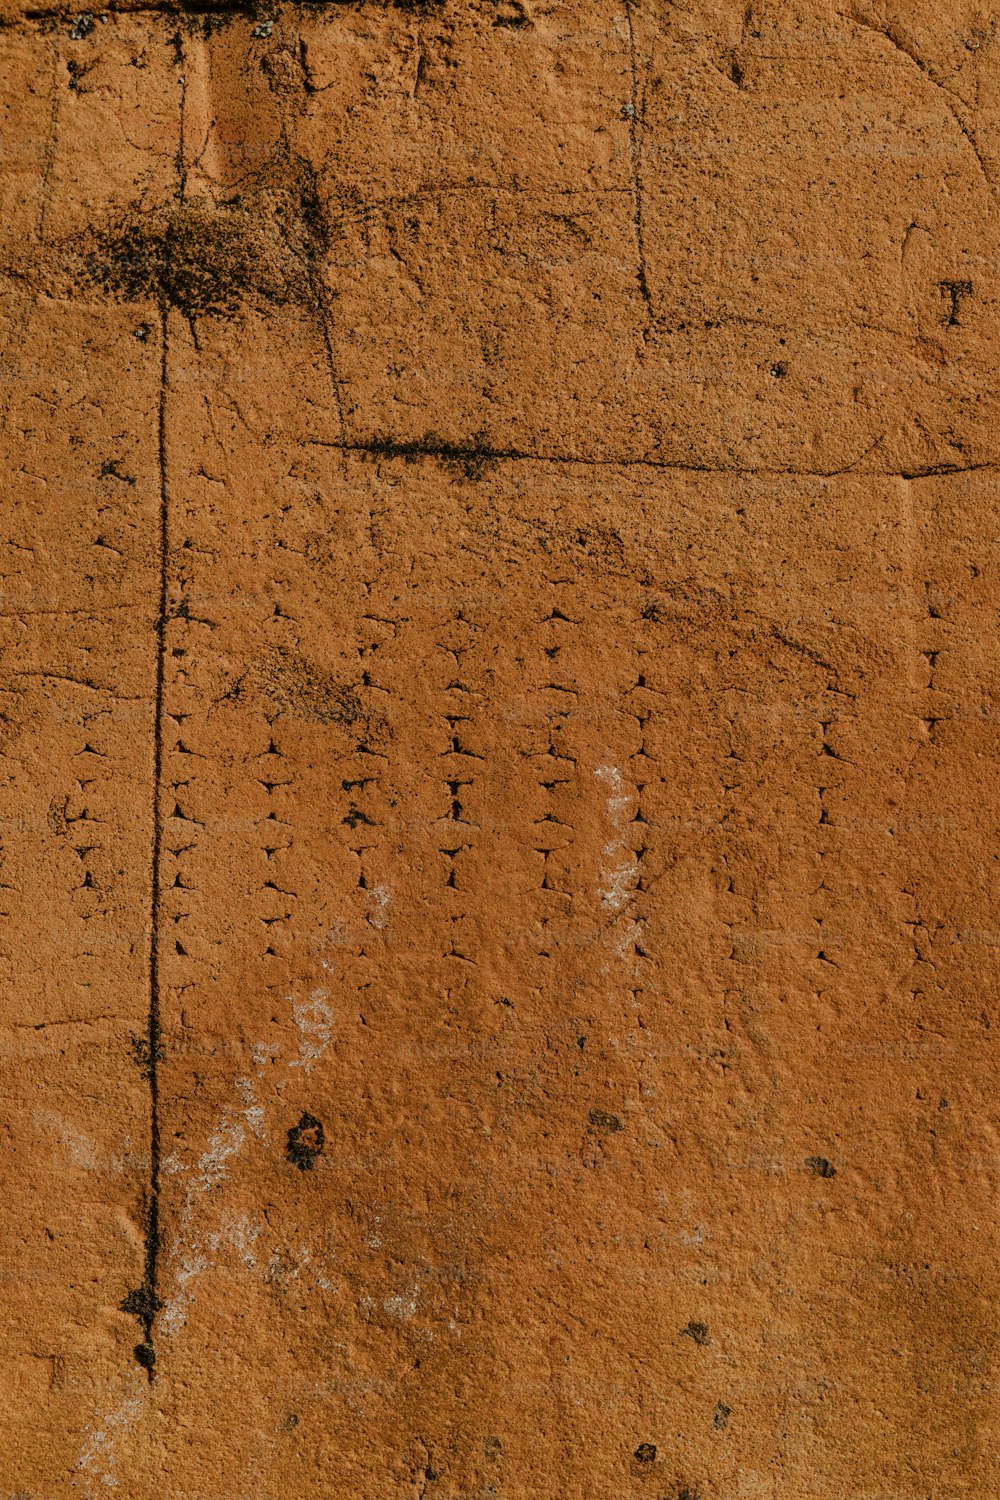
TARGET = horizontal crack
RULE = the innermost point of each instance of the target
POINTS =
(473, 457)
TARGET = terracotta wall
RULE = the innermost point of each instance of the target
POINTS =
(498, 743)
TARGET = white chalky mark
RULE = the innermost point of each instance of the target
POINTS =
(99, 1454)
(253, 1112)
(620, 868)
(225, 1143)
(314, 1020)
(80, 1149)
(212, 1169)
(618, 883)
(382, 901)
(630, 934)
(402, 1308)
(238, 1232)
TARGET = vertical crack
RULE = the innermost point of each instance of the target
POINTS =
(323, 315)
(153, 1223)
(635, 149)
(144, 1302)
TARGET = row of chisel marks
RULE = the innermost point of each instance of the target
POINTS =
(584, 810)
(553, 736)
(461, 763)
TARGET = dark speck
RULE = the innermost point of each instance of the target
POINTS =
(721, 1417)
(646, 1453)
(601, 1120)
(696, 1331)
(820, 1167)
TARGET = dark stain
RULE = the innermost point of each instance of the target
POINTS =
(513, 17)
(780, 369)
(646, 1453)
(112, 470)
(956, 291)
(143, 1304)
(208, 260)
(199, 263)
(76, 76)
(408, 7)
(720, 1419)
(143, 1055)
(602, 1120)
(305, 1143)
(820, 1167)
(297, 687)
(471, 459)
(696, 1331)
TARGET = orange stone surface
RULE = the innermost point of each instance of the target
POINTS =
(499, 706)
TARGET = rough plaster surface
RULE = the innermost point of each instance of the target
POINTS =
(498, 715)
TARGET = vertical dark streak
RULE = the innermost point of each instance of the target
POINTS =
(316, 288)
(635, 146)
(152, 1304)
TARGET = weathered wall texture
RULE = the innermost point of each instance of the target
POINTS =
(499, 699)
